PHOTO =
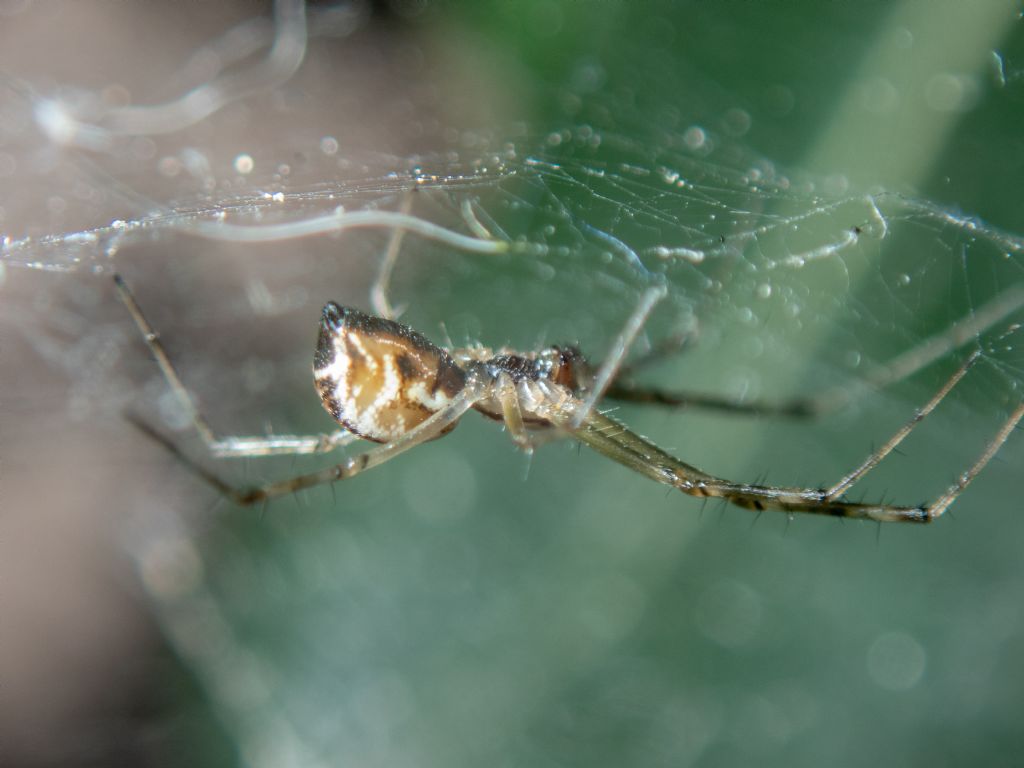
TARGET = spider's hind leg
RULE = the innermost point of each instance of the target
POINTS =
(432, 427)
(227, 446)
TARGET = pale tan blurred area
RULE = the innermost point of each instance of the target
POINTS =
(77, 642)
(72, 635)
(75, 639)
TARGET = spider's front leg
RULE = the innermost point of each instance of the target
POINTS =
(511, 412)
(618, 443)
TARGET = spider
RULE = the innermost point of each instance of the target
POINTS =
(385, 382)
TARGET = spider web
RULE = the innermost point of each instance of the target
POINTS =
(444, 609)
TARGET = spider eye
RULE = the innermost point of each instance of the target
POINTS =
(333, 315)
(565, 366)
(379, 378)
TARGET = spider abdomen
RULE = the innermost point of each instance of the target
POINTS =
(378, 378)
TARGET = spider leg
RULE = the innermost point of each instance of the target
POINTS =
(630, 392)
(614, 440)
(899, 368)
(670, 346)
(379, 290)
(942, 503)
(512, 414)
(613, 362)
(963, 331)
(234, 446)
(873, 460)
(432, 427)
(229, 446)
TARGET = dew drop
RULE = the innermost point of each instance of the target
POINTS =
(244, 164)
(695, 137)
(329, 145)
(896, 661)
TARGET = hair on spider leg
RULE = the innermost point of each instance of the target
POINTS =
(722, 506)
(882, 498)
(444, 330)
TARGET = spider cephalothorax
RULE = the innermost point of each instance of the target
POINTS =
(564, 366)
